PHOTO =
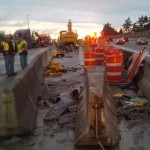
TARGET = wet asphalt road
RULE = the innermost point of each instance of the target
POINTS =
(132, 46)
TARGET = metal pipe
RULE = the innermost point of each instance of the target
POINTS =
(96, 124)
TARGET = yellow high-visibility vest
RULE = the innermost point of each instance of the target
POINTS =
(6, 46)
(20, 46)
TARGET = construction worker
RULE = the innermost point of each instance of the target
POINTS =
(86, 44)
(77, 45)
(23, 51)
(9, 49)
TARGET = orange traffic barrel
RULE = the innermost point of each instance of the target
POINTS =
(99, 54)
(110, 51)
(89, 59)
(114, 67)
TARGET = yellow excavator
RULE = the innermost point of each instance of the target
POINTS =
(68, 38)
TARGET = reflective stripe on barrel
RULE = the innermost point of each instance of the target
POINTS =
(114, 66)
(89, 59)
(99, 52)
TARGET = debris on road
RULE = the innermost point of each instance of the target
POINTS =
(58, 109)
(130, 106)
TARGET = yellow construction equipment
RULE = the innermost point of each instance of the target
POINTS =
(70, 36)
(68, 39)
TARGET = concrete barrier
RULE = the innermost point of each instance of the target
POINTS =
(144, 81)
(142, 77)
(18, 98)
(96, 96)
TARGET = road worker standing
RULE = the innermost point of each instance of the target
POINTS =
(9, 49)
(23, 51)
(77, 45)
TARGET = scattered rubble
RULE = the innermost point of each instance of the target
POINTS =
(59, 108)
(130, 106)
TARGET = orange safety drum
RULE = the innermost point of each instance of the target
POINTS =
(99, 53)
(114, 67)
(89, 59)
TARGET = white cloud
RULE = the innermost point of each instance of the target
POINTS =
(53, 15)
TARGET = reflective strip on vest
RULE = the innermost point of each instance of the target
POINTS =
(113, 64)
(114, 73)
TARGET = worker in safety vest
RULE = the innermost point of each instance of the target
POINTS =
(86, 44)
(9, 49)
(77, 45)
(23, 51)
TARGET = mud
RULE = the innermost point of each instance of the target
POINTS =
(59, 134)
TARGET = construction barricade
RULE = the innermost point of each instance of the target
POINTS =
(114, 65)
(99, 53)
(89, 59)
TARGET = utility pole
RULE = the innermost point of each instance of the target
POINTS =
(28, 21)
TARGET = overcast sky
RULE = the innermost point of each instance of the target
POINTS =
(51, 16)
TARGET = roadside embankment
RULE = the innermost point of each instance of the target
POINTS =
(18, 97)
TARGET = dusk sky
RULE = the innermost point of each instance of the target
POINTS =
(51, 16)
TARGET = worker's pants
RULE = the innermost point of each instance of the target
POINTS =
(9, 64)
(23, 61)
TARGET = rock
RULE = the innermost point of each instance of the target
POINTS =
(72, 108)
(58, 109)
(66, 118)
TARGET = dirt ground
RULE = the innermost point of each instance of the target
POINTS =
(52, 134)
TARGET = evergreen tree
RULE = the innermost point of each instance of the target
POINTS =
(2, 35)
(127, 25)
(120, 31)
(108, 30)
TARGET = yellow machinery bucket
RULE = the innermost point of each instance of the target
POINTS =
(96, 119)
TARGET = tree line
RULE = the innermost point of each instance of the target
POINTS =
(2, 35)
(142, 24)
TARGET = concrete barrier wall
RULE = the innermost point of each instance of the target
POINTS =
(18, 98)
(96, 100)
(142, 78)
(143, 83)
(134, 35)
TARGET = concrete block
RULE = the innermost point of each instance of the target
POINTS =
(18, 98)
